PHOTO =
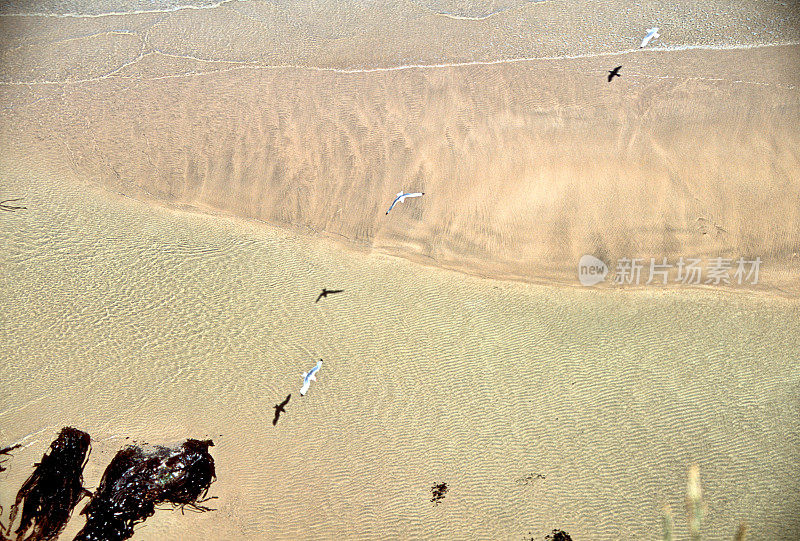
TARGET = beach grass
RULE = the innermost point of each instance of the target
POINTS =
(696, 510)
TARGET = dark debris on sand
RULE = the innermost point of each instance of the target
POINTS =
(4, 205)
(54, 488)
(137, 480)
(7, 452)
(530, 479)
(558, 535)
(438, 492)
(4, 452)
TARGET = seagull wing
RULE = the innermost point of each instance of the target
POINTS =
(396, 199)
(651, 33)
(401, 197)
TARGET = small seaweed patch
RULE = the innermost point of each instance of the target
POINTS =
(530, 479)
(438, 492)
(137, 480)
(54, 488)
(558, 535)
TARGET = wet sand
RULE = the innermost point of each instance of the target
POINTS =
(129, 320)
(528, 157)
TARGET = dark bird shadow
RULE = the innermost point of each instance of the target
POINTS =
(614, 73)
(326, 292)
(279, 408)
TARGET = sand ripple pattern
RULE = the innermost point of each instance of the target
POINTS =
(126, 319)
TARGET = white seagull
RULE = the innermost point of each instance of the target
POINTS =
(402, 197)
(651, 34)
(308, 377)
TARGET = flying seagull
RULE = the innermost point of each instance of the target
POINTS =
(279, 409)
(402, 197)
(614, 73)
(308, 377)
(326, 292)
(651, 34)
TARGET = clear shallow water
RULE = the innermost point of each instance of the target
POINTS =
(90, 8)
(451, 31)
(126, 320)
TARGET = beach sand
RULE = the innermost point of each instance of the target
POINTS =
(128, 320)
(191, 177)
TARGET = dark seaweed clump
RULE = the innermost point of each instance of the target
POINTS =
(54, 488)
(558, 535)
(136, 481)
(438, 492)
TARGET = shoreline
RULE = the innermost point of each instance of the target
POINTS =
(556, 280)
(243, 65)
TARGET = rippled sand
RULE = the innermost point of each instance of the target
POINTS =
(128, 320)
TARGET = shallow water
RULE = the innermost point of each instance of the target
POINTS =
(127, 320)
